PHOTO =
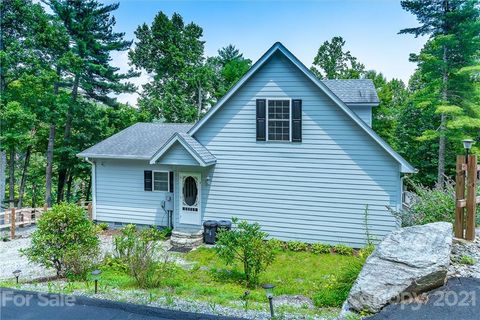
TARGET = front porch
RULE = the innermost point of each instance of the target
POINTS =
(192, 166)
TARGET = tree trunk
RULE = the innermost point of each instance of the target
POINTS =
(48, 173)
(199, 102)
(69, 186)
(34, 195)
(62, 173)
(3, 171)
(89, 188)
(11, 181)
(23, 182)
(443, 124)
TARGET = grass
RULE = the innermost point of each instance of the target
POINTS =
(324, 278)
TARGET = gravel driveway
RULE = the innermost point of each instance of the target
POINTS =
(10, 258)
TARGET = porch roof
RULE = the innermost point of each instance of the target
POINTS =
(191, 145)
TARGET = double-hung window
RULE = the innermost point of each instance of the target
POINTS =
(278, 120)
(160, 180)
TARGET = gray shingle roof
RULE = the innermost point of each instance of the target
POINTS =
(353, 91)
(198, 148)
(139, 141)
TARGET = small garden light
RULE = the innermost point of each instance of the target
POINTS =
(16, 273)
(269, 291)
(467, 145)
(96, 277)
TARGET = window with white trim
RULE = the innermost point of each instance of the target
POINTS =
(278, 123)
(160, 181)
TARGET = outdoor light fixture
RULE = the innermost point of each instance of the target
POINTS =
(16, 273)
(467, 145)
(269, 291)
(96, 277)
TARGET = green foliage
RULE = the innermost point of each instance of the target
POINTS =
(297, 246)
(277, 245)
(138, 250)
(125, 242)
(331, 62)
(102, 226)
(335, 290)
(321, 248)
(173, 52)
(443, 89)
(248, 245)
(468, 260)
(343, 249)
(431, 205)
(65, 240)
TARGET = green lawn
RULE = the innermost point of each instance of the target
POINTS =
(324, 278)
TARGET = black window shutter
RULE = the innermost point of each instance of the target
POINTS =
(297, 120)
(147, 180)
(261, 119)
(170, 187)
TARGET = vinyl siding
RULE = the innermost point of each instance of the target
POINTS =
(313, 191)
(364, 112)
(120, 195)
(177, 155)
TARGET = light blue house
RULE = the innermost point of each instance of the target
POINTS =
(282, 148)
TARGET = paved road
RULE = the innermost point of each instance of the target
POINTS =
(23, 305)
(459, 299)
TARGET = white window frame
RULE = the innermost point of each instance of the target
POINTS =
(289, 119)
(153, 180)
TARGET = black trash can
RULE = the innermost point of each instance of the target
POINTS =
(210, 231)
(224, 224)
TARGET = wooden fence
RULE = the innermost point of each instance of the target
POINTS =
(466, 197)
(14, 218)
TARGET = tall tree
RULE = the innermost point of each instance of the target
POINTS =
(229, 66)
(332, 62)
(393, 95)
(454, 44)
(90, 28)
(172, 53)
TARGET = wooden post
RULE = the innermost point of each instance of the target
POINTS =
(45, 207)
(12, 223)
(89, 208)
(471, 197)
(459, 195)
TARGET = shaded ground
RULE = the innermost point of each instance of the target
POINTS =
(24, 305)
(459, 299)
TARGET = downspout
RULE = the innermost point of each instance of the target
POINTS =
(94, 188)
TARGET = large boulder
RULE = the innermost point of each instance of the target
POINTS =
(407, 262)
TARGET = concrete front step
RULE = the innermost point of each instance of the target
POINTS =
(186, 239)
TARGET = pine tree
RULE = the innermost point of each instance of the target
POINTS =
(89, 25)
(454, 29)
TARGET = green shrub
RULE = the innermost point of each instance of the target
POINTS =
(431, 205)
(276, 244)
(343, 249)
(137, 250)
(465, 259)
(247, 245)
(65, 240)
(102, 226)
(297, 246)
(321, 248)
(125, 242)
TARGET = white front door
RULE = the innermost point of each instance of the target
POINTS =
(190, 195)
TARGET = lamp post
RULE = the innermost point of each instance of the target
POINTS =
(467, 145)
(16, 273)
(269, 291)
(96, 277)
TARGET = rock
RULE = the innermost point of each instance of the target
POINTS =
(186, 239)
(408, 261)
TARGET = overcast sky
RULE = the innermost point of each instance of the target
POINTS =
(369, 27)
